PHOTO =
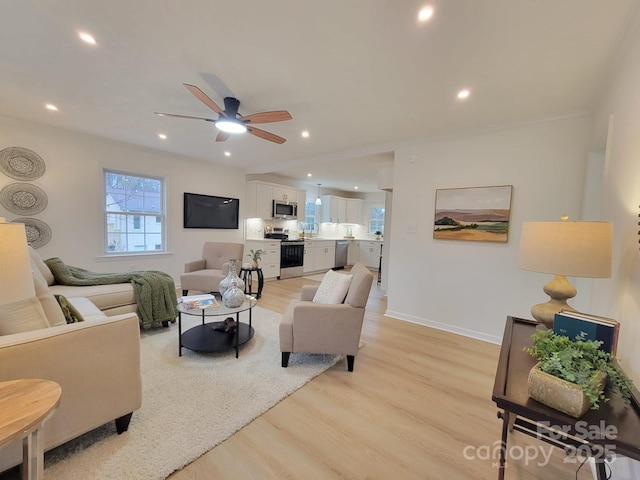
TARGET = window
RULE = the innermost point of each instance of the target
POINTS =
(376, 220)
(134, 213)
(310, 224)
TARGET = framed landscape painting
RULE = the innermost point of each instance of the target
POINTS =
(478, 214)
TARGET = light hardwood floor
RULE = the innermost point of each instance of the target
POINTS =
(417, 406)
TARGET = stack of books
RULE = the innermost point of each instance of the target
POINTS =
(572, 324)
(198, 302)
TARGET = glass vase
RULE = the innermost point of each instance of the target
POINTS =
(232, 282)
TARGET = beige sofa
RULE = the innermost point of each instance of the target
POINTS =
(111, 299)
(96, 362)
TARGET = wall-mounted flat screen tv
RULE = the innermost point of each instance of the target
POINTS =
(206, 211)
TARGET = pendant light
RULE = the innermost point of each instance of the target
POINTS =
(318, 200)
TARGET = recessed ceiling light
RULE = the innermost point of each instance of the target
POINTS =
(309, 175)
(87, 38)
(227, 154)
(162, 136)
(425, 13)
(462, 94)
(355, 188)
(305, 134)
(51, 106)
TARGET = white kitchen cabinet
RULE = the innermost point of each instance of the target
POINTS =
(370, 253)
(353, 210)
(334, 209)
(259, 200)
(286, 194)
(319, 255)
(353, 253)
(325, 255)
(270, 261)
(309, 262)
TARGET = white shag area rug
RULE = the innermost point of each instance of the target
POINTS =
(190, 404)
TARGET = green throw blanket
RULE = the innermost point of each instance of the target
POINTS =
(154, 291)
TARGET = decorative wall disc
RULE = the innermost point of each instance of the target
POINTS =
(21, 163)
(23, 198)
(38, 232)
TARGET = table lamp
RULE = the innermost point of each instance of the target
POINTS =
(15, 267)
(574, 249)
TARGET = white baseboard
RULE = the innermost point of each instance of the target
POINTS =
(446, 327)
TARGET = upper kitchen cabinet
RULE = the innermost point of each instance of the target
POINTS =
(259, 200)
(354, 210)
(260, 197)
(341, 210)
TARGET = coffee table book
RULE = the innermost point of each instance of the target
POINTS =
(198, 302)
(572, 324)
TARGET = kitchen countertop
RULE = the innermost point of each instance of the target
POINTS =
(315, 239)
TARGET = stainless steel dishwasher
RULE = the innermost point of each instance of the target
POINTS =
(342, 248)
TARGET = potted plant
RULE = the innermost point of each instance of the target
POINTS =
(571, 375)
(255, 257)
(378, 234)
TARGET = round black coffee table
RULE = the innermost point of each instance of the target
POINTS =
(205, 338)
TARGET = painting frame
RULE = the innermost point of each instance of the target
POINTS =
(477, 214)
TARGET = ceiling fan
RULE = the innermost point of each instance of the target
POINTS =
(230, 121)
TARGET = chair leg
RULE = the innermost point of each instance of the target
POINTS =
(350, 360)
(285, 359)
(122, 423)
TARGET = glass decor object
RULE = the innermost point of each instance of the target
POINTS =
(232, 287)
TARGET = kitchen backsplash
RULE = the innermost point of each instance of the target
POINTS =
(255, 229)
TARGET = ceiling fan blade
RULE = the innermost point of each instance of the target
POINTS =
(265, 135)
(268, 117)
(200, 95)
(222, 136)
(183, 116)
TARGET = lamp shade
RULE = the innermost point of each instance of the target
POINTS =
(15, 266)
(574, 249)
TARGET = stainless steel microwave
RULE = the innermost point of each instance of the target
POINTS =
(282, 209)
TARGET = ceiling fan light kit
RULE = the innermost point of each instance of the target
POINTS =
(230, 121)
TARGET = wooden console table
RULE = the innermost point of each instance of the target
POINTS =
(24, 407)
(613, 428)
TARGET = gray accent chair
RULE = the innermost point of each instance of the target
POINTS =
(308, 327)
(204, 274)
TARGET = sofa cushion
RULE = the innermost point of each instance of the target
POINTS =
(22, 316)
(103, 296)
(42, 267)
(333, 288)
(49, 304)
(202, 280)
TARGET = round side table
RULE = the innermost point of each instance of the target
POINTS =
(24, 407)
(246, 276)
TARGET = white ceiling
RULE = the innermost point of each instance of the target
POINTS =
(363, 76)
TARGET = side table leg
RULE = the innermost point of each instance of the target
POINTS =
(33, 455)
(506, 424)
(260, 283)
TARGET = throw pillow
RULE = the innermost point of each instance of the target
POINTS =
(333, 288)
(22, 316)
(71, 313)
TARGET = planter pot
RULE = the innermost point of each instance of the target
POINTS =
(559, 394)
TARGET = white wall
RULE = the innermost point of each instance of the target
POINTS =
(73, 184)
(621, 101)
(471, 287)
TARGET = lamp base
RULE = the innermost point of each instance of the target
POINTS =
(559, 289)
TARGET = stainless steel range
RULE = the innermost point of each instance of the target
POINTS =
(291, 253)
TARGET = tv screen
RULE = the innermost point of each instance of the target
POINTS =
(206, 211)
